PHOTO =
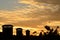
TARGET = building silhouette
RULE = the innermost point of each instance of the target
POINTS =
(19, 32)
(7, 30)
(7, 34)
(27, 33)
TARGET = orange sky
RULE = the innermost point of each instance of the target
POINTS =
(30, 14)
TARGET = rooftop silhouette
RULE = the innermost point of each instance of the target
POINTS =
(7, 34)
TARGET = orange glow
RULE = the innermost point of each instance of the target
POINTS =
(34, 17)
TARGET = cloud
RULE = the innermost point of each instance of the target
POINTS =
(40, 5)
(29, 13)
(36, 13)
(49, 1)
(54, 23)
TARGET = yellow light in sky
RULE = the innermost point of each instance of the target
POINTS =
(26, 28)
(54, 23)
(25, 15)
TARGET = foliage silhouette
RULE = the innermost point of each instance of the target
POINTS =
(51, 34)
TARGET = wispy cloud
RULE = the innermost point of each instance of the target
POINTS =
(29, 13)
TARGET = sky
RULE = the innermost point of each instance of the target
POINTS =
(30, 14)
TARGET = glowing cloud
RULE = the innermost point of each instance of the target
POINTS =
(30, 14)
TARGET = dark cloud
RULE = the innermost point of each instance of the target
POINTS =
(49, 1)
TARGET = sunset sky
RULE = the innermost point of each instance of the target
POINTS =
(30, 14)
